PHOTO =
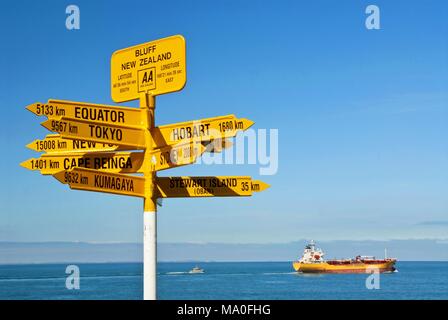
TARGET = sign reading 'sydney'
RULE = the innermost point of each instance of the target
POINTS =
(156, 67)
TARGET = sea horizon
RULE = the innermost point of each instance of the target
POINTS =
(85, 252)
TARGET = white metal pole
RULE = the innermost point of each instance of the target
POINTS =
(149, 255)
(147, 104)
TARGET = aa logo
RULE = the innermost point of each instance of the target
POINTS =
(146, 79)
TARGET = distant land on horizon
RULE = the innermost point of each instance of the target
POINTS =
(86, 252)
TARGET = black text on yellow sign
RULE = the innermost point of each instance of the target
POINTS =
(97, 113)
(102, 133)
(201, 130)
(219, 186)
(94, 180)
(156, 67)
(54, 144)
(117, 162)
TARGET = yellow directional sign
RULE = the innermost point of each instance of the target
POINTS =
(220, 186)
(93, 180)
(200, 130)
(217, 145)
(53, 144)
(99, 113)
(119, 162)
(102, 133)
(175, 156)
(156, 67)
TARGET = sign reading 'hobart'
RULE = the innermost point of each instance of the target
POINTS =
(156, 67)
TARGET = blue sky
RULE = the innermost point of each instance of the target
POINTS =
(362, 116)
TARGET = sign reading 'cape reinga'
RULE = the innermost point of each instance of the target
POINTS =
(156, 67)
(220, 186)
(98, 113)
(117, 162)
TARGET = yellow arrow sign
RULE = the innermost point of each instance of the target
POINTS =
(102, 133)
(217, 145)
(98, 113)
(220, 186)
(117, 162)
(157, 67)
(53, 143)
(200, 130)
(93, 180)
(175, 156)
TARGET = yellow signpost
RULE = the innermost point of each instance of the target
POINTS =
(221, 186)
(94, 180)
(96, 113)
(201, 130)
(102, 133)
(54, 144)
(155, 67)
(117, 162)
(217, 145)
(84, 152)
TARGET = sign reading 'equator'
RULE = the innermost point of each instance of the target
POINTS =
(97, 113)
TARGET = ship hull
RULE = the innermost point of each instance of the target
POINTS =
(387, 266)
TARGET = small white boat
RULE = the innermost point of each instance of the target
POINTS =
(196, 270)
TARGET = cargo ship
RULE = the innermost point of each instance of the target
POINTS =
(312, 261)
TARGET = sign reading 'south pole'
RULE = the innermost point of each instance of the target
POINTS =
(156, 67)
(220, 186)
(93, 180)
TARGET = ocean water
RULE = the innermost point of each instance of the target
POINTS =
(238, 280)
